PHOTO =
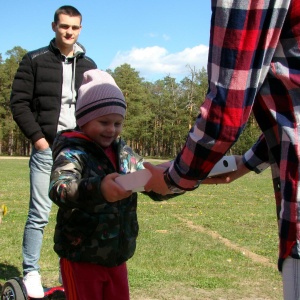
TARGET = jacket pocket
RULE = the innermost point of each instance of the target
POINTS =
(78, 227)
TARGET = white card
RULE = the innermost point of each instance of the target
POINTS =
(135, 181)
(224, 165)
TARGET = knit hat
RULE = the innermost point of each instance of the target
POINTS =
(98, 95)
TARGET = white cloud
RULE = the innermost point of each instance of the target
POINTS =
(156, 62)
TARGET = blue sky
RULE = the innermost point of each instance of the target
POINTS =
(156, 37)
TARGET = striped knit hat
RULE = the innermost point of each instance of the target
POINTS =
(98, 95)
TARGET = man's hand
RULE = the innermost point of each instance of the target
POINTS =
(156, 183)
(41, 144)
(231, 176)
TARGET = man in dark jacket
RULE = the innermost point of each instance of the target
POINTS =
(43, 102)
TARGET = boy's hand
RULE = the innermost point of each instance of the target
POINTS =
(112, 191)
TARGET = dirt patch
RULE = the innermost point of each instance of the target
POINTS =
(253, 256)
(180, 291)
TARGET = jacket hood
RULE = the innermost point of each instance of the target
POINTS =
(129, 161)
(73, 138)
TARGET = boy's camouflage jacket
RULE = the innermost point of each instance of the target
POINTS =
(90, 229)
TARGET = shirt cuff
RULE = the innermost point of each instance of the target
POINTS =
(174, 189)
(253, 163)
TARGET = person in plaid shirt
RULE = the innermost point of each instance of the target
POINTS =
(253, 65)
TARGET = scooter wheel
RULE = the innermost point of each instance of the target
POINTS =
(12, 290)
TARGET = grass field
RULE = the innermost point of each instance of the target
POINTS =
(217, 242)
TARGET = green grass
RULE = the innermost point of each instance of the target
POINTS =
(217, 242)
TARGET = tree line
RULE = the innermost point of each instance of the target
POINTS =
(158, 118)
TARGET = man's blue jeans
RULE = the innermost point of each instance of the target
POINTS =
(40, 165)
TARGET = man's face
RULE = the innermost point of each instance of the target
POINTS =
(66, 30)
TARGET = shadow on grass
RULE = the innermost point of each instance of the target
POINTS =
(7, 272)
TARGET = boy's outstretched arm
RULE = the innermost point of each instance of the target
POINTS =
(112, 191)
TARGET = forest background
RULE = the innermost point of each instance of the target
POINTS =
(159, 114)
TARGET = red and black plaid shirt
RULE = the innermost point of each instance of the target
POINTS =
(253, 64)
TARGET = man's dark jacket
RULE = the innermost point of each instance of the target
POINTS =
(37, 89)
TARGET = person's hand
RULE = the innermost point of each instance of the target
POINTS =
(156, 183)
(165, 165)
(41, 144)
(112, 191)
(231, 176)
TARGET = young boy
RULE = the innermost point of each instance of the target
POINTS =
(97, 223)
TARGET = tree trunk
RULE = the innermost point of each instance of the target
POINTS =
(10, 143)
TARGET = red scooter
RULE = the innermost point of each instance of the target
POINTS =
(14, 289)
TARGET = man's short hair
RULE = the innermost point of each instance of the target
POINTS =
(67, 10)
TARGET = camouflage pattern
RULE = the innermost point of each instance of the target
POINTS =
(90, 229)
